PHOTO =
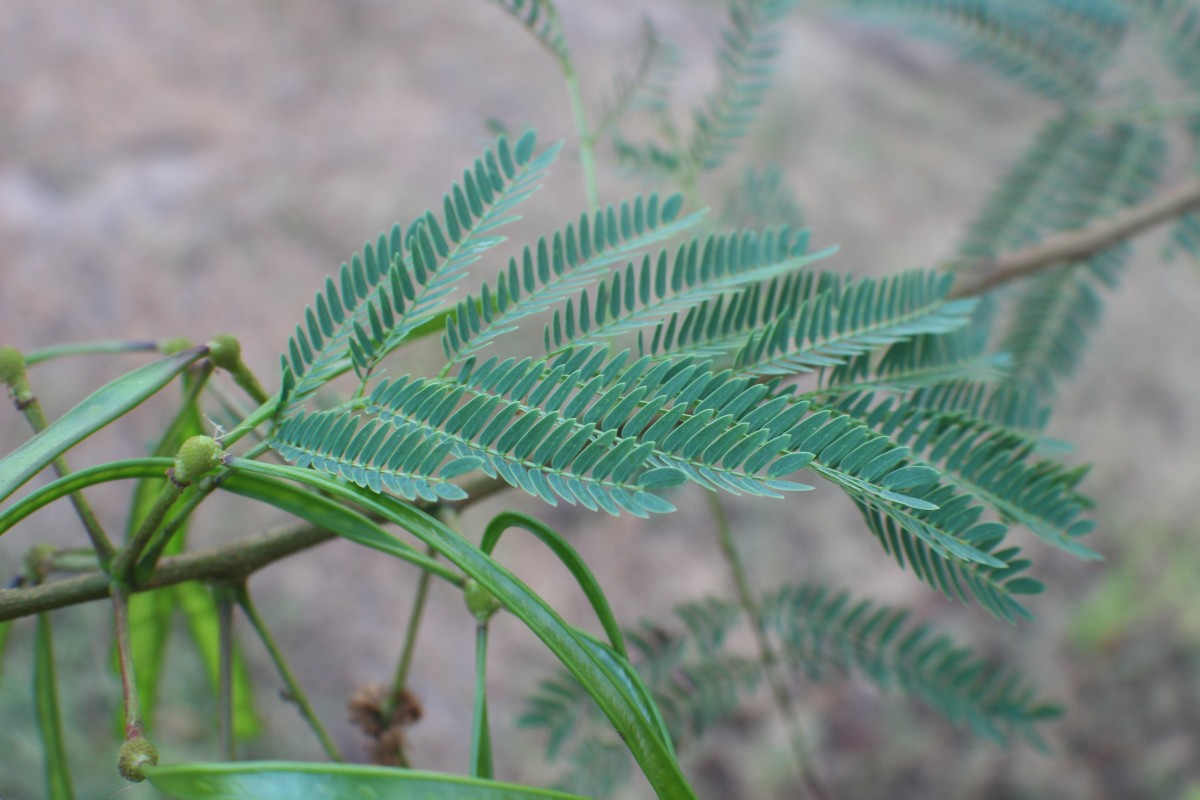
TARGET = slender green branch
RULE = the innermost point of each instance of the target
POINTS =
(226, 742)
(481, 737)
(400, 679)
(767, 656)
(294, 692)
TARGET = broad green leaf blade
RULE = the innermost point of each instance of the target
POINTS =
(280, 780)
(97, 410)
(641, 734)
(570, 558)
(200, 610)
(45, 696)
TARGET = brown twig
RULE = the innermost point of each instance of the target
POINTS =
(987, 274)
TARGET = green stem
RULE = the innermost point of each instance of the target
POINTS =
(587, 142)
(400, 680)
(123, 567)
(45, 693)
(294, 692)
(228, 746)
(481, 737)
(134, 727)
(767, 657)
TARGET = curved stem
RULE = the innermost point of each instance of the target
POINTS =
(294, 692)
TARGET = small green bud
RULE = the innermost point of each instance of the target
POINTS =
(225, 351)
(12, 367)
(133, 755)
(197, 456)
(170, 347)
(481, 603)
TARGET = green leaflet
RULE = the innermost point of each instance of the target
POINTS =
(702, 269)
(97, 410)
(45, 696)
(857, 317)
(624, 707)
(281, 780)
(575, 257)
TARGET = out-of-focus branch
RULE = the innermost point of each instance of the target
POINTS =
(987, 274)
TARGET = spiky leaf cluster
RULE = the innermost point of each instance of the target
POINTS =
(1058, 48)
(822, 631)
(546, 274)
(387, 291)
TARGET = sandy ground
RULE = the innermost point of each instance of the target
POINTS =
(191, 168)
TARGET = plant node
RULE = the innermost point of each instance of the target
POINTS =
(135, 754)
(482, 603)
(225, 351)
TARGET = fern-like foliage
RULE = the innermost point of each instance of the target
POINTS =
(1057, 311)
(749, 45)
(762, 200)
(1058, 48)
(540, 19)
(575, 257)
(821, 630)
(644, 89)
(699, 678)
(705, 268)
(926, 361)
(986, 460)
(381, 295)
(415, 464)
(846, 321)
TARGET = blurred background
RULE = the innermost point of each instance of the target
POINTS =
(193, 168)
